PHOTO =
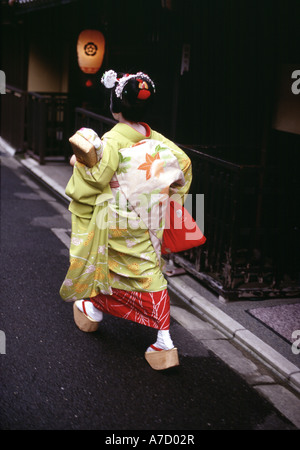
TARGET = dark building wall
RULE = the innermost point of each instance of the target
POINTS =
(14, 53)
(233, 61)
(226, 97)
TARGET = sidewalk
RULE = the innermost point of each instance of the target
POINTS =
(242, 333)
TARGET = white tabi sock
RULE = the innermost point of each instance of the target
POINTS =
(92, 312)
(163, 342)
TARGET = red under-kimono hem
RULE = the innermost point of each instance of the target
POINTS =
(147, 308)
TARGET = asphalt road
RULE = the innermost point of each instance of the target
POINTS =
(54, 377)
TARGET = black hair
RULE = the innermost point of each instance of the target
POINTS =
(133, 104)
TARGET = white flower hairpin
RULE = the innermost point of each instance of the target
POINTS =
(109, 79)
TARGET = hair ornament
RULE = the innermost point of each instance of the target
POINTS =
(122, 81)
(109, 79)
(144, 92)
(141, 74)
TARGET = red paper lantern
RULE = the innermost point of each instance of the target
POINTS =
(90, 50)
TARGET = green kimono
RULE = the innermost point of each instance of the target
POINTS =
(118, 209)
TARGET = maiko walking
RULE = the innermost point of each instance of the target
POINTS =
(118, 217)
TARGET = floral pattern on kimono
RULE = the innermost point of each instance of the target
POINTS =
(118, 211)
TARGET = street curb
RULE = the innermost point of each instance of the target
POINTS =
(5, 146)
(237, 333)
(33, 167)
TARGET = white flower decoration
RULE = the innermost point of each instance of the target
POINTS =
(90, 269)
(109, 79)
(101, 249)
(130, 243)
(76, 241)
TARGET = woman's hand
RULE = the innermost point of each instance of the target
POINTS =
(73, 160)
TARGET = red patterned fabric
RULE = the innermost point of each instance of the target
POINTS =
(147, 308)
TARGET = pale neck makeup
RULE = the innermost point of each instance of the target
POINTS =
(135, 125)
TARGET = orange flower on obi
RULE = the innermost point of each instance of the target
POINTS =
(153, 166)
(138, 143)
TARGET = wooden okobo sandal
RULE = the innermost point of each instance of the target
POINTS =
(83, 321)
(162, 359)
